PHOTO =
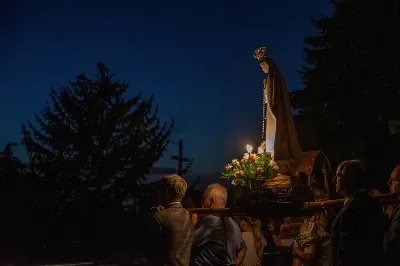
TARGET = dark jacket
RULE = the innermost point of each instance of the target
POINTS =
(216, 242)
(391, 242)
(172, 237)
(357, 232)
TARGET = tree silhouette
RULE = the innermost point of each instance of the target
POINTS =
(90, 140)
(351, 87)
(91, 147)
(12, 173)
(10, 165)
(12, 197)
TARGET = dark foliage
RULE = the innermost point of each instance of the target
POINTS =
(351, 89)
(12, 198)
(89, 149)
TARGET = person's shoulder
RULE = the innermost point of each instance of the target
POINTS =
(210, 221)
(364, 203)
(363, 198)
(235, 226)
(176, 212)
(231, 221)
(396, 215)
(172, 216)
(162, 214)
(247, 235)
(347, 212)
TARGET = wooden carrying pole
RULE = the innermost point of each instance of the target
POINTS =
(385, 198)
(317, 205)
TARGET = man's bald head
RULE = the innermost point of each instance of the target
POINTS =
(215, 196)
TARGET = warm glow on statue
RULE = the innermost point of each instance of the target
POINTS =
(279, 131)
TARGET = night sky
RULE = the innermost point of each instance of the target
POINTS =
(195, 56)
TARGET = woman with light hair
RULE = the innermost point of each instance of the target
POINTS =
(313, 246)
(254, 239)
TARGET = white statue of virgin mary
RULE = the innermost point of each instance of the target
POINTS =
(278, 125)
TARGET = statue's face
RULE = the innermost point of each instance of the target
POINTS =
(264, 67)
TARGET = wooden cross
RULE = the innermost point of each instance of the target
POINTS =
(180, 159)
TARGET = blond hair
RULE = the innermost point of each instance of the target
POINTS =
(320, 193)
(175, 185)
(255, 225)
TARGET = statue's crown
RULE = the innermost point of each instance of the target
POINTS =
(260, 53)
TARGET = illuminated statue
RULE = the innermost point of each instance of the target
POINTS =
(278, 125)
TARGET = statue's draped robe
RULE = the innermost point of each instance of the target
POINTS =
(280, 133)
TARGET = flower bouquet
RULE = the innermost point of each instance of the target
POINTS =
(253, 166)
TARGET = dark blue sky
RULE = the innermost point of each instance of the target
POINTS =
(195, 56)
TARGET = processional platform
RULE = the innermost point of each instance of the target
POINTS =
(285, 195)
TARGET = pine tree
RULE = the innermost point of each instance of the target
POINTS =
(10, 165)
(93, 145)
(351, 86)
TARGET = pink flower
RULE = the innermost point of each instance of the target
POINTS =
(260, 170)
(235, 162)
(253, 156)
(228, 167)
(239, 173)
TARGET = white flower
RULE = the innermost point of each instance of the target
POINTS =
(260, 150)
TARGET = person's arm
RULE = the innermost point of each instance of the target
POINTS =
(276, 239)
(306, 253)
(199, 233)
(391, 236)
(195, 218)
(242, 253)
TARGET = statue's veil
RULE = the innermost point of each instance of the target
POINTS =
(280, 131)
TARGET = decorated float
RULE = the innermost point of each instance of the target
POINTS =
(279, 179)
(277, 175)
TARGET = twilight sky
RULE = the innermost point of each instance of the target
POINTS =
(195, 56)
